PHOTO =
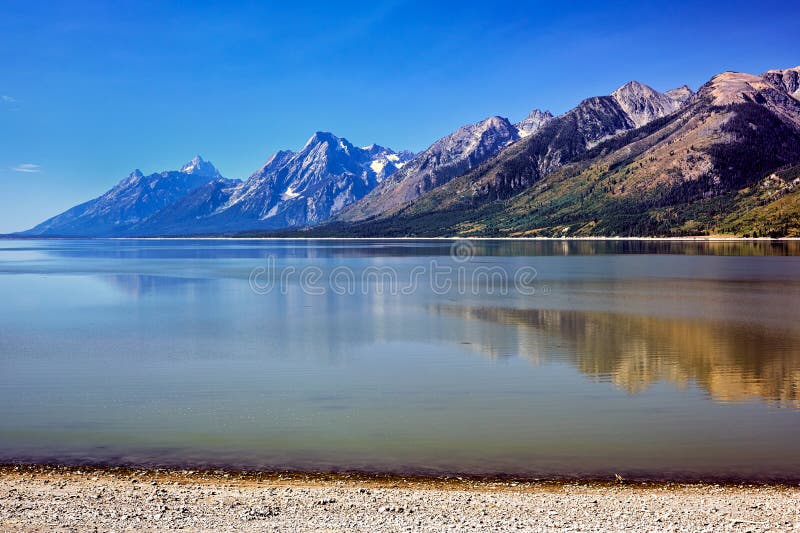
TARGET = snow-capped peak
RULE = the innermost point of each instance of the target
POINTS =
(200, 167)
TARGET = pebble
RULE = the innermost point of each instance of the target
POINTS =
(226, 502)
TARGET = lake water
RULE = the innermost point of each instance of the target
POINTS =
(660, 359)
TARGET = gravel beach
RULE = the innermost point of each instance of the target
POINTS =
(37, 498)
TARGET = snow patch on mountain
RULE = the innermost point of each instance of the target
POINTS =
(289, 194)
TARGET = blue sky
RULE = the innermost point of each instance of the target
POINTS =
(91, 90)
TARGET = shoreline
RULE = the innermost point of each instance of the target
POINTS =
(84, 498)
(698, 238)
(455, 481)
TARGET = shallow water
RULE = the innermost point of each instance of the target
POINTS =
(664, 359)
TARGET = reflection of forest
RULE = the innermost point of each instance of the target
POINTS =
(732, 361)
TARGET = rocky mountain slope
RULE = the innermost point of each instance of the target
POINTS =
(445, 159)
(724, 162)
(642, 104)
(561, 140)
(547, 142)
(788, 80)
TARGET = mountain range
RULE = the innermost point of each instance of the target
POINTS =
(291, 189)
(638, 162)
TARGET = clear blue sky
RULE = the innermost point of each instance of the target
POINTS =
(91, 90)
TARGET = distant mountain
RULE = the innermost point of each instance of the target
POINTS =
(130, 202)
(450, 156)
(292, 189)
(307, 187)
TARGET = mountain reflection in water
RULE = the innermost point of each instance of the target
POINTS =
(733, 362)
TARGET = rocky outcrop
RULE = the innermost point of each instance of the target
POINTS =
(533, 122)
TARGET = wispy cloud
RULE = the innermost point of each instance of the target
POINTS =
(27, 167)
(7, 99)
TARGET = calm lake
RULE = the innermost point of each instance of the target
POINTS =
(557, 358)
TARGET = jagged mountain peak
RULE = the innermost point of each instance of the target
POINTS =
(680, 94)
(133, 177)
(195, 161)
(325, 141)
(478, 130)
(539, 114)
(200, 167)
(485, 136)
(633, 86)
(634, 89)
(535, 120)
(320, 137)
(787, 80)
(784, 70)
(377, 150)
(495, 121)
(279, 157)
(642, 103)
